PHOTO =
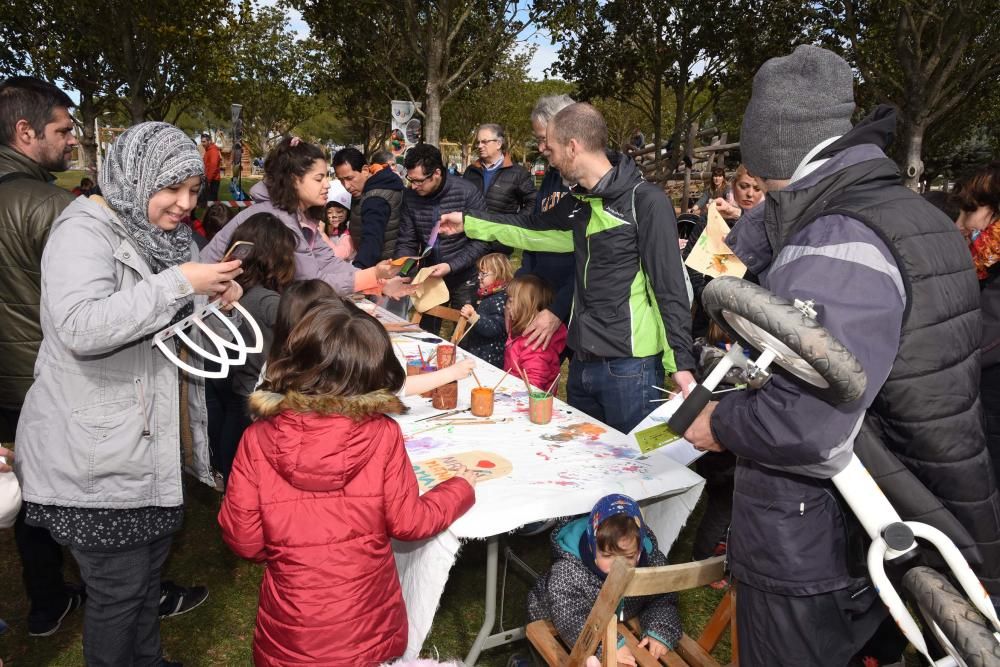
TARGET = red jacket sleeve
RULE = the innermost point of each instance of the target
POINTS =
(541, 366)
(410, 516)
(240, 516)
(213, 159)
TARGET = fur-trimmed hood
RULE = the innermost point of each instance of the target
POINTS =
(264, 404)
(319, 443)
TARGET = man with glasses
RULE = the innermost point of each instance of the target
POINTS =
(433, 192)
(507, 187)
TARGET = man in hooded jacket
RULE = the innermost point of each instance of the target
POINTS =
(891, 279)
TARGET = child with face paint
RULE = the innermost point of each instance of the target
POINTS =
(583, 550)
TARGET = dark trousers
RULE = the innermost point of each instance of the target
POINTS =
(718, 469)
(617, 392)
(235, 420)
(121, 626)
(823, 630)
(41, 556)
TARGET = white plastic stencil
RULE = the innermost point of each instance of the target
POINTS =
(222, 346)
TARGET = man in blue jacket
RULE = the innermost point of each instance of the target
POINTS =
(892, 280)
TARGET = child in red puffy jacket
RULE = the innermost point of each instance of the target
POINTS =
(320, 484)
(527, 296)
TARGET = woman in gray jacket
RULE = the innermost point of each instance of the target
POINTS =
(98, 443)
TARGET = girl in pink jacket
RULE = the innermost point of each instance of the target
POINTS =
(527, 296)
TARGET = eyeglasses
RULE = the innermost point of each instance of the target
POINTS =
(483, 274)
(419, 181)
(483, 142)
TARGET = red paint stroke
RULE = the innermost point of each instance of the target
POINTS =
(486, 464)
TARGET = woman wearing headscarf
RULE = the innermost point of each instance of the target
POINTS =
(99, 438)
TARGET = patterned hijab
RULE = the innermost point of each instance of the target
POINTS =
(145, 159)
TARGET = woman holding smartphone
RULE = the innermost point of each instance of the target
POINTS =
(295, 189)
(99, 437)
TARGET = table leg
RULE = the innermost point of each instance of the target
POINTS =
(484, 639)
(490, 613)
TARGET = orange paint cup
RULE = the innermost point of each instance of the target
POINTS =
(482, 401)
(539, 407)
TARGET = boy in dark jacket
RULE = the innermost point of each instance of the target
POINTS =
(583, 550)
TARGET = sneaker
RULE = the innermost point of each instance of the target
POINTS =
(49, 626)
(176, 600)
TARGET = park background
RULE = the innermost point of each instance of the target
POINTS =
(678, 71)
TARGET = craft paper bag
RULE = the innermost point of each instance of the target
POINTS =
(431, 291)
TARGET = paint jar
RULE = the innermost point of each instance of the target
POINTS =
(482, 401)
(427, 369)
(539, 407)
(445, 355)
(413, 366)
(445, 397)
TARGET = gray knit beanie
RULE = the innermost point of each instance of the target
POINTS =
(798, 101)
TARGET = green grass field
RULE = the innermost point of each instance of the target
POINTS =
(220, 631)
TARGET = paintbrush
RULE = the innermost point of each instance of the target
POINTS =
(524, 376)
(421, 353)
(504, 377)
(476, 378)
(441, 414)
(552, 386)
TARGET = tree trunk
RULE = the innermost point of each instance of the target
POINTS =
(657, 114)
(137, 108)
(913, 144)
(432, 114)
(88, 140)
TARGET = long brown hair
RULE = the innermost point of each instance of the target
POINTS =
(270, 262)
(295, 300)
(526, 296)
(282, 166)
(335, 351)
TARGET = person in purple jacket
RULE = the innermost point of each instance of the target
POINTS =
(892, 280)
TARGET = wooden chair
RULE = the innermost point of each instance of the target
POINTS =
(444, 313)
(602, 624)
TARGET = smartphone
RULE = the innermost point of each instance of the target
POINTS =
(238, 250)
(408, 267)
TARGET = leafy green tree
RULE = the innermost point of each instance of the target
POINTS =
(935, 61)
(429, 49)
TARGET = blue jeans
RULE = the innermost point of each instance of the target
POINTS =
(615, 391)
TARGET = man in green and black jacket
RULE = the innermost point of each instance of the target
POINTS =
(631, 319)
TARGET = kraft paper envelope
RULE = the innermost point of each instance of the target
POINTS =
(431, 291)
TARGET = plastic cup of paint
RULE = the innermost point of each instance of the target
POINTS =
(539, 407)
(426, 368)
(413, 366)
(445, 355)
(482, 401)
(445, 397)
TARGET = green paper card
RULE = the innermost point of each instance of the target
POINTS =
(655, 437)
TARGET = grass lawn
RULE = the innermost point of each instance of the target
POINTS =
(71, 179)
(220, 631)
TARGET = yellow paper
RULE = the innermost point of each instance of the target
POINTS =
(431, 291)
(710, 255)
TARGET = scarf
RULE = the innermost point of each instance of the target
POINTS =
(986, 249)
(145, 159)
(606, 507)
(484, 292)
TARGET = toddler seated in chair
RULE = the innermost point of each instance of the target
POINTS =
(583, 550)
